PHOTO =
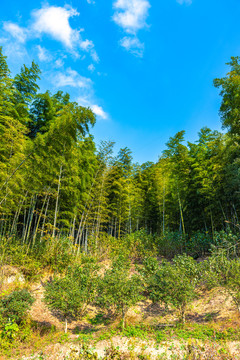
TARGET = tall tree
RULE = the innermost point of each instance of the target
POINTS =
(230, 92)
(177, 154)
(26, 87)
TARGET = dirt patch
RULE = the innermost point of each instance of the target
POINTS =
(10, 274)
(39, 311)
(214, 305)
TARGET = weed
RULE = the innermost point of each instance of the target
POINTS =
(138, 331)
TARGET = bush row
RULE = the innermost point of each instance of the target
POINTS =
(173, 283)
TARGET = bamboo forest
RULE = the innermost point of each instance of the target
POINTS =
(55, 182)
(147, 254)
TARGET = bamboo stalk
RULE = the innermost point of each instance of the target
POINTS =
(57, 200)
(39, 218)
(44, 219)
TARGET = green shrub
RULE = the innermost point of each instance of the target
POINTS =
(199, 244)
(10, 330)
(137, 331)
(232, 281)
(213, 270)
(228, 242)
(56, 253)
(174, 283)
(18, 255)
(118, 289)
(219, 270)
(140, 243)
(149, 268)
(71, 294)
(15, 305)
(171, 243)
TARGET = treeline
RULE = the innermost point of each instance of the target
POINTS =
(55, 183)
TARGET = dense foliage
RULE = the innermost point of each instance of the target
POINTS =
(55, 183)
(118, 290)
(172, 284)
(71, 294)
(15, 305)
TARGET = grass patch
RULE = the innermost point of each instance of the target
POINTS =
(203, 332)
(138, 331)
(30, 337)
(99, 319)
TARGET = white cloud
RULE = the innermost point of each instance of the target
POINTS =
(187, 2)
(71, 78)
(131, 15)
(59, 63)
(90, 1)
(91, 67)
(87, 44)
(43, 54)
(95, 56)
(133, 45)
(14, 49)
(85, 87)
(98, 110)
(16, 52)
(84, 101)
(20, 34)
(54, 21)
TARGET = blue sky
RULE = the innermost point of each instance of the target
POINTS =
(145, 67)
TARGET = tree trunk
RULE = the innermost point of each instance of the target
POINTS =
(130, 217)
(119, 227)
(72, 231)
(212, 225)
(79, 230)
(115, 228)
(181, 214)
(163, 218)
(182, 314)
(30, 220)
(86, 242)
(57, 200)
(44, 219)
(99, 211)
(39, 218)
(66, 326)
(123, 318)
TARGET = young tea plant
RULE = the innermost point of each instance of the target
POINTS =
(119, 289)
(232, 282)
(15, 305)
(174, 283)
(220, 270)
(72, 294)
